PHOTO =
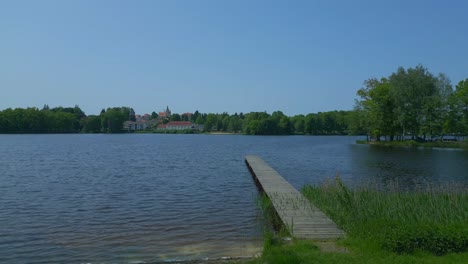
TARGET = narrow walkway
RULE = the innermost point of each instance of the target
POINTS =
(300, 217)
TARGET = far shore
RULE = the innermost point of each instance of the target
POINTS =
(223, 133)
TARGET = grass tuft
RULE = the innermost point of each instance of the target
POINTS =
(402, 222)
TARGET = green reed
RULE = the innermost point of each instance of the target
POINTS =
(272, 221)
(434, 219)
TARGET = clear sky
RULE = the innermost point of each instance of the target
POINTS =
(219, 56)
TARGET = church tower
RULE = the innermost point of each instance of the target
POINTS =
(168, 111)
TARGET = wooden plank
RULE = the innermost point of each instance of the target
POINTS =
(302, 219)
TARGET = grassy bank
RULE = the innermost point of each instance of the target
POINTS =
(428, 226)
(412, 143)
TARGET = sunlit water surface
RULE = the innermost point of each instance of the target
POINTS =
(129, 198)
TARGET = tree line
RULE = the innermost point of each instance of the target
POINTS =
(277, 123)
(63, 120)
(412, 103)
(110, 120)
(409, 103)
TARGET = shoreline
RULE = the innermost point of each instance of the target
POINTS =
(414, 144)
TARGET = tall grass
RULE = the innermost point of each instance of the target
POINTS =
(433, 220)
(273, 225)
(412, 143)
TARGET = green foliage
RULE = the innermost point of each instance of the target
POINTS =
(377, 108)
(175, 117)
(382, 227)
(438, 240)
(458, 113)
(33, 120)
(277, 250)
(210, 123)
(63, 120)
(409, 102)
(433, 220)
(298, 122)
(113, 118)
(91, 124)
(412, 91)
(280, 254)
(270, 216)
(110, 120)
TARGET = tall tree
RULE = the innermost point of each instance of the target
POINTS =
(377, 108)
(211, 122)
(412, 91)
(91, 124)
(298, 122)
(459, 103)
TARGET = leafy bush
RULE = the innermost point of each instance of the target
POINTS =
(438, 241)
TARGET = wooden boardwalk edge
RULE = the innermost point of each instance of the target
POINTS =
(302, 219)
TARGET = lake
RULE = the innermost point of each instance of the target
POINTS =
(147, 197)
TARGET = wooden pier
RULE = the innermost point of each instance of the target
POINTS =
(300, 217)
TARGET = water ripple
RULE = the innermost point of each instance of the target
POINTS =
(130, 198)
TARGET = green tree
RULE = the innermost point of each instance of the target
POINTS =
(235, 124)
(60, 122)
(459, 108)
(195, 117)
(91, 124)
(113, 118)
(225, 123)
(311, 124)
(199, 120)
(357, 123)
(211, 122)
(175, 117)
(284, 126)
(413, 92)
(298, 122)
(377, 108)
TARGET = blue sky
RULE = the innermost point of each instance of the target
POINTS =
(219, 56)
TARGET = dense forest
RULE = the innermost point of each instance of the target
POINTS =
(277, 123)
(410, 102)
(63, 120)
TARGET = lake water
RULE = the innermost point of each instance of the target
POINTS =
(148, 197)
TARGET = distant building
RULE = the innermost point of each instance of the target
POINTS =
(166, 115)
(140, 124)
(135, 125)
(145, 117)
(179, 125)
